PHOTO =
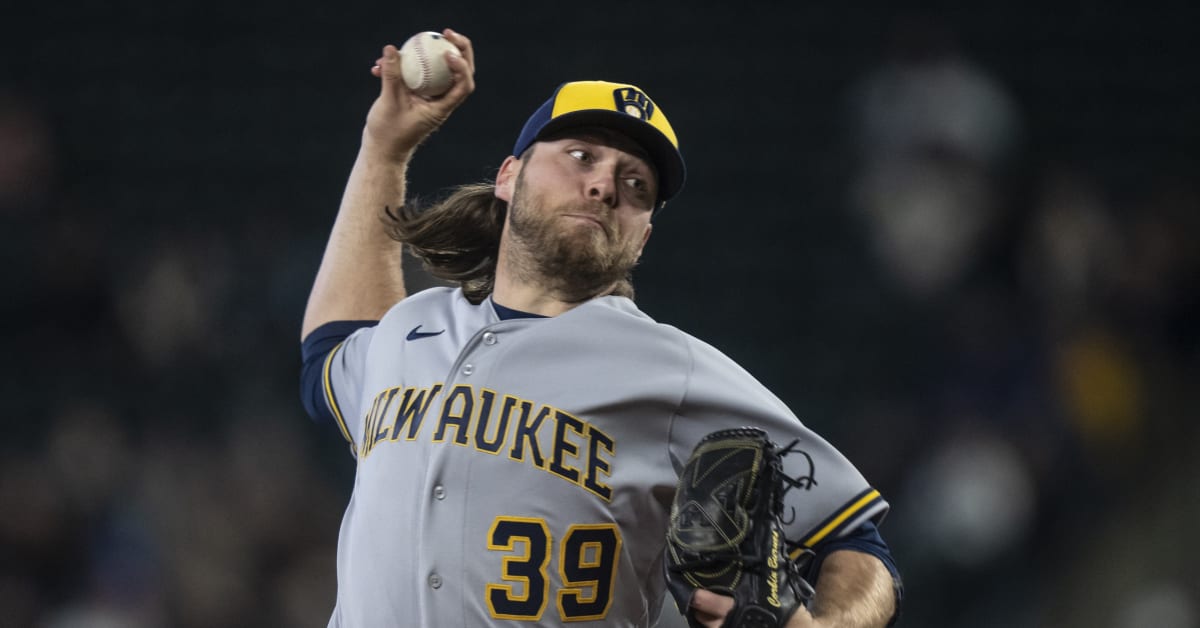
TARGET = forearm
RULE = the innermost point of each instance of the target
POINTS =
(854, 590)
(360, 276)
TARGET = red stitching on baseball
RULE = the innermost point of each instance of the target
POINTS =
(423, 59)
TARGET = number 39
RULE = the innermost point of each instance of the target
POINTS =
(587, 563)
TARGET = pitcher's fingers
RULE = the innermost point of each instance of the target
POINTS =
(389, 62)
(464, 81)
(711, 604)
(391, 84)
(463, 43)
(377, 69)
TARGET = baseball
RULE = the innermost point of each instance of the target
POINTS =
(423, 64)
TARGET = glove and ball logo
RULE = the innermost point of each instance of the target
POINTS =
(633, 102)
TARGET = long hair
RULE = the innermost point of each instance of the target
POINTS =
(458, 238)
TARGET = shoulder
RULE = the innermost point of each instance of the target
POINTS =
(712, 372)
(428, 296)
(701, 360)
(624, 310)
(434, 309)
(439, 300)
(614, 330)
(614, 312)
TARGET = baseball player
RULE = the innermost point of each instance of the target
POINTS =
(518, 438)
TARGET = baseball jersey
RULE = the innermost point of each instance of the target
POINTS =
(520, 472)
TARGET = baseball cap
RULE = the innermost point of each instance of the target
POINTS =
(618, 106)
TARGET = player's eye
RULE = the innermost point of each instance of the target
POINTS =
(636, 183)
(580, 154)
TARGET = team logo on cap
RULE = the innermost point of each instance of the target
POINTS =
(633, 102)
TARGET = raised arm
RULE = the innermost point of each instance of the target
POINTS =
(360, 276)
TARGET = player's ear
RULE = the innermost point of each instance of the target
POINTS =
(506, 178)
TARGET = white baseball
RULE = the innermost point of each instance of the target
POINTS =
(423, 64)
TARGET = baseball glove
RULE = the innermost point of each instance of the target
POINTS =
(726, 534)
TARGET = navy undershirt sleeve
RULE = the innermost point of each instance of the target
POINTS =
(313, 351)
(865, 539)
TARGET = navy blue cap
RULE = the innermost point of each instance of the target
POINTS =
(618, 106)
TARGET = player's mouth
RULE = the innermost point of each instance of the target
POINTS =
(590, 219)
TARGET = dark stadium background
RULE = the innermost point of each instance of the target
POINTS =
(995, 317)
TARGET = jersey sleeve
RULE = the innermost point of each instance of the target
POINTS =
(334, 359)
(834, 498)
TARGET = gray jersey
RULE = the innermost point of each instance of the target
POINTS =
(520, 472)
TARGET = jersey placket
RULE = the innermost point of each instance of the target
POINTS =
(447, 494)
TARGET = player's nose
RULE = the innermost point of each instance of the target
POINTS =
(602, 186)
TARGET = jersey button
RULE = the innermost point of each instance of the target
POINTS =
(489, 338)
(435, 581)
(439, 492)
(468, 369)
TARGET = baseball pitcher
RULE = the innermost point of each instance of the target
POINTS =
(531, 448)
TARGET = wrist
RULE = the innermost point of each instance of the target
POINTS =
(395, 153)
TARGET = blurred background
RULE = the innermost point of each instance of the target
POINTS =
(958, 240)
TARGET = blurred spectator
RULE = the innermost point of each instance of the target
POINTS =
(134, 494)
(973, 500)
(171, 304)
(1036, 339)
(931, 131)
(26, 159)
(1071, 249)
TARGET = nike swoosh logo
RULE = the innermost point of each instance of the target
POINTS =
(417, 335)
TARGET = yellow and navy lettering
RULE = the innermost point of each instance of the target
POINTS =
(564, 447)
(587, 568)
(456, 414)
(526, 432)
(524, 598)
(494, 443)
(548, 438)
(385, 422)
(597, 464)
(375, 421)
(835, 524)
(412, 410)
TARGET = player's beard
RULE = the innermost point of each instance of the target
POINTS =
(574, 261)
